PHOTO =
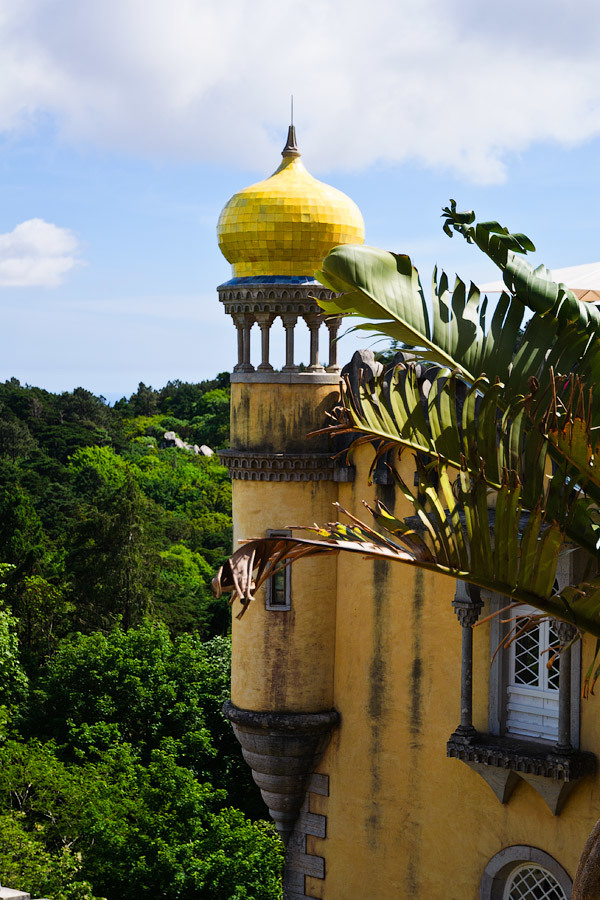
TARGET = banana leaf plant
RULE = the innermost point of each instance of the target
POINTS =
(490, 410)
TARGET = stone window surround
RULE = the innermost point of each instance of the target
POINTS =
(502, 760)
(500, 866)
(499, 668)
(287, 574)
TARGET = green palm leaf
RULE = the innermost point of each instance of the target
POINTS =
(385, 288)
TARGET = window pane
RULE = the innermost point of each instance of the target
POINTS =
(278, 589)
(533, 883)
(554, 672)
(527, 658)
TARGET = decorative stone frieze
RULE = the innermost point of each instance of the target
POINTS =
(254, 466)
(282, 749)
(278, 298)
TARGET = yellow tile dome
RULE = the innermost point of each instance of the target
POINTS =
(287, 224)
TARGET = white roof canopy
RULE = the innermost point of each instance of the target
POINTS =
(582, 280)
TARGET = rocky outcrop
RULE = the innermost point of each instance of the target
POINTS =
(170, 439)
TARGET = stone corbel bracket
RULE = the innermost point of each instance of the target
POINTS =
(502, 762)
(283, 750)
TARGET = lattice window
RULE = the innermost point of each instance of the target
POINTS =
(533, 688)
(533, 883)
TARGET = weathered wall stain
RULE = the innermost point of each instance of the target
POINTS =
(277, 641)
(377, 695)
(415, 725)
(259, 423)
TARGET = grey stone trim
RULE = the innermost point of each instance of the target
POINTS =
(291, 723)
(250, 465)
(285, 378)
(299, 863)
(500, 866)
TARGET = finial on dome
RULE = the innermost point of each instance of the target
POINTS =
(291, 148)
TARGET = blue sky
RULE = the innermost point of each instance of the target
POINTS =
(125, 126)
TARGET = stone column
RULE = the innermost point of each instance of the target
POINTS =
(237, 320)
(265, 320)
(313, 320)
(566, 633)
(289, 323)
(247, 321)
(467, 605)
(333, 326)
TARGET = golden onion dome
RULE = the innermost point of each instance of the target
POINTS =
(287, 224)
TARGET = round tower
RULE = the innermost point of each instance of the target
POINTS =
(276, 234)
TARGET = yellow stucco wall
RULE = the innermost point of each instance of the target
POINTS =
(275, 418)
(284, 660)
(404, 821)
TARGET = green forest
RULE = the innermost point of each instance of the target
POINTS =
(119, 776)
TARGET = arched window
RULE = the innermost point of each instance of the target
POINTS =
(524, 873)
(530, 882)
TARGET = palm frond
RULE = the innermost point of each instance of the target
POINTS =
(467, 444)
(385, 288)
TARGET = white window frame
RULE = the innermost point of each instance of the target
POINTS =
(532, 709)
(533, 867)
(568, 572)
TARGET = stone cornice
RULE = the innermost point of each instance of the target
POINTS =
(279, 299)
(254, 466)
(331, 378)
(288, 723)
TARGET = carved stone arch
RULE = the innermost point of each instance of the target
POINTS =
(503, 864)
(260, 295)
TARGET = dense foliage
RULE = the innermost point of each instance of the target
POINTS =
(119, 777)
(101, 520)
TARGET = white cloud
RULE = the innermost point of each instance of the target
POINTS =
(450, 83)
(36, 254)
